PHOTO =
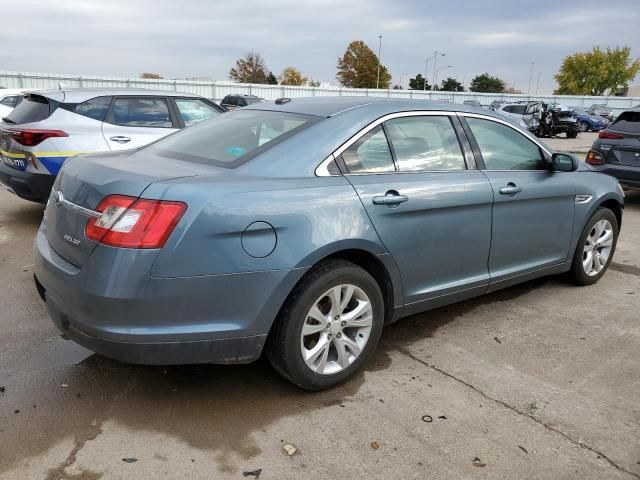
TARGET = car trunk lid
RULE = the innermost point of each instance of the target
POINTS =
(86, 180)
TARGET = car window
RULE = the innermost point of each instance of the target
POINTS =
(627, 122)
(33, 108)
(503, 148)
(10, 101)
(231, 139)
(95, 108)
(252, 100)
(369, 154)
(425, 143)
(194, 110)
(140, 112)
(519, 109)
(230, 100)
(242, 102)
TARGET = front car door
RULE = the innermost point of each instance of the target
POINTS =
(133, 122)
(533, 205)
(430, 207)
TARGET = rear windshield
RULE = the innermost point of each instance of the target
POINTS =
(33, 108)
(628, 122)
(232, 139)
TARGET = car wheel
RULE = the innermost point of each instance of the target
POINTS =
(595, 248)
(329, 326)
(583, 126)
(572, 133)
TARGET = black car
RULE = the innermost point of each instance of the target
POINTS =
(231, 102)
(616, 151)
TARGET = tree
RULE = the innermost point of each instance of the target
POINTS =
(512, 90)
(250, 69)
(313, 83)
(418, 82)
(397, 87)
(291, 76)
(487, 84)
(155, 76)
(271, 79)
(451, 85)
(358, 68)
(596, 72)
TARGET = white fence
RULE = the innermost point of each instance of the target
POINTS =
(216, 90)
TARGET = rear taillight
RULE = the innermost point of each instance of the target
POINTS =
(594, 158)
(610, 135)
(134, 223)
(30, 137)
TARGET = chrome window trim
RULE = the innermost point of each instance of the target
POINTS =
(322, 169)
(508, 124)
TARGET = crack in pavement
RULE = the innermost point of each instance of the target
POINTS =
(406, 352)
(95, 429)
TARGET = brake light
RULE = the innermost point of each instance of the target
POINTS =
(610, 135)
(30, 137)
(128, 222)
(594, 158)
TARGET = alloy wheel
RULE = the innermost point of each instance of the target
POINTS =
(597, 248)
(336, 329)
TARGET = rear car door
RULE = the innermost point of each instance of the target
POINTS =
(135, 121)
(431, 209)
(533, 205)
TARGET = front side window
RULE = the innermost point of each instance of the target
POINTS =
(140, 112)
(233, 138)
(425, 143)
(503, 148)
(369, 154)
(194, 110)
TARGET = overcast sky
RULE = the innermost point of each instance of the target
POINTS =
(200, 38)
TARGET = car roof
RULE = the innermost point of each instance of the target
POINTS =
(76, 95)
(11, 91)
(333, 106)
(243, 95)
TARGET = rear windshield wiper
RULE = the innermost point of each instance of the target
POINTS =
(7, 120)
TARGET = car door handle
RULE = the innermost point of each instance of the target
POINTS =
(391, 198)
(120, 139)
(510, 189)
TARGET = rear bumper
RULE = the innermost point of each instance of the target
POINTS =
(35, 187)
(628, 176)
(123, 313)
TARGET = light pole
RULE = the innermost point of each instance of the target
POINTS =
(379, 50)
(424, 85)
(438, 71)
(530, 76)
(435, 61)
(538, 82)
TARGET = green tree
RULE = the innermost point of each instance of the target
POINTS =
(313, 83)
(250, 69)
(358, 68)
(418, 82)
(487, 84)
(596, 72)
(271, 79)
(291, 76)
(451, 85)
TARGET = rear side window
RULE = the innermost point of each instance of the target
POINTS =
(425, 143)
(231, 139)
(10, 101)
(95, 108)
(369, 154)
(140, 112)
(193, 110)
(34, 108)
(627, 122)
(230, 100)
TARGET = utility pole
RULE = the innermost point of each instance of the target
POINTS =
(379, 50)
(530, 76)
(435, 61)
(424, 85)
(538, 82)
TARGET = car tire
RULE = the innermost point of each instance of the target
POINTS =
(581, 274)
(286, 346)
(583, 126)
(572, 133)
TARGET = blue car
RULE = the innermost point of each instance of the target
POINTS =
(588, 122)
(301, 227)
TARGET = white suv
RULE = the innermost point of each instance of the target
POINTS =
(49, 126)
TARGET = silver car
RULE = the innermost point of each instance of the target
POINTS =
(49, 126)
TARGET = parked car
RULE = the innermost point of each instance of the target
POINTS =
(496, 103)
(231, 102)
(49, 126)
(9, 99)
(303, 226)
(472, 103)
(518, 112)
(616, 151)
(553, 119)
(600, 110)
(588, 123)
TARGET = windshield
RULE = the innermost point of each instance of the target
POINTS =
(231, 139)
(579, 112)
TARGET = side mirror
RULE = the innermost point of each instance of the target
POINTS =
(563, 162)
